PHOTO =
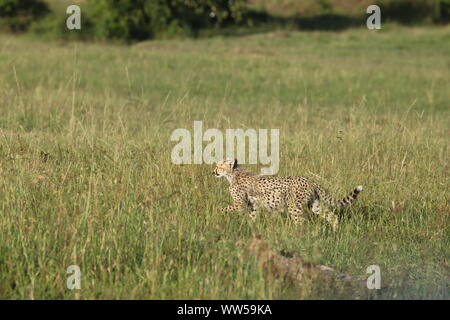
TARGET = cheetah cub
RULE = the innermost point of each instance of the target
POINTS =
(272, 193)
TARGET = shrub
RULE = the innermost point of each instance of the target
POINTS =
(17, 15)
(53, 26)
(407, 11)
(143, 19)
(442, 11)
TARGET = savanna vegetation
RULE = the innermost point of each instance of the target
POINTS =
(137, 20)
(86, 176)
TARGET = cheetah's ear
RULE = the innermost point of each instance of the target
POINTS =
(234, 164)
(231, 162)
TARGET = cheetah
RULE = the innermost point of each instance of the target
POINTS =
(274, 193)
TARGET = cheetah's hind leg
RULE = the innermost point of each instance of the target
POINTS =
(326, 214)
(296, 213)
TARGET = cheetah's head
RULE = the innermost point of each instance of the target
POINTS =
(225, 167)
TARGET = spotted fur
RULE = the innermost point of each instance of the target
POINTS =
(274, 193)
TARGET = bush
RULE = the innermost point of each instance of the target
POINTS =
(143, 19)
(442, 13)
(53, 26)
(17, 15)
(407, 11)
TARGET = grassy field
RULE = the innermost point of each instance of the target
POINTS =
(356, 107)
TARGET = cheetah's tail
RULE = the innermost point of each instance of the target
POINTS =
(348, 200)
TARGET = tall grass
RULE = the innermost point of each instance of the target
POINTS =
(356, 107)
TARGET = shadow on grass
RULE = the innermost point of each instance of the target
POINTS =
(323, 22)
(263, 22)
(328, 22)
(259, 22)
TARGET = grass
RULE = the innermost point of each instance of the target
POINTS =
(356, 107)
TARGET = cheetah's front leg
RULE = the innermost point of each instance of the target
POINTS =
(237, 206)
(253, 211)
(239, 200)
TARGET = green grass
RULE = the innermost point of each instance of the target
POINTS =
(356, 107)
